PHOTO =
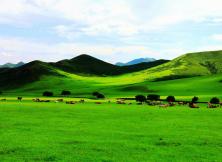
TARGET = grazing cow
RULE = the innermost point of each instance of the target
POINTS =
(193, 105)
(82, 101)
(70, 102)
(210, 105)
(164, 106)
(98, 103)
(181, 103)
(19, 98)
(154, 103)
(60, 100)
(36, 100)
(120, 102)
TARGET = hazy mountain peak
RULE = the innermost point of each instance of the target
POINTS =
(11, 65)
(136, 61)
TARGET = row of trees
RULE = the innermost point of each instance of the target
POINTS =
(50, 94)
(98, 95)
(155, 97)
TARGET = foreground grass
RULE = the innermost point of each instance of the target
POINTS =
(108, 132)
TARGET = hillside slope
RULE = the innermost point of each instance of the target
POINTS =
(28, 73)
(189, 65)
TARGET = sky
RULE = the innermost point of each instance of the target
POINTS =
(112, 30)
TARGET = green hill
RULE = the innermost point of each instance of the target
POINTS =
(85, 74)
(188, 65)
(88, 65)
(14, 77)
(82, 65)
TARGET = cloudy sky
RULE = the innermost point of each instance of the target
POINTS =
(113, 30)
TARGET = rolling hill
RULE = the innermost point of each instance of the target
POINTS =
(82, 65)
(188, 65)
(85, 74)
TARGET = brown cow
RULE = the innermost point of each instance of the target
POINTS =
(164, 106)
(120, 102)
(210, 105)
(70, 102)
(193, 105)
(60, 100)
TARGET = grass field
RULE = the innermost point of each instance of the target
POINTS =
(108, 132)
(205, 87)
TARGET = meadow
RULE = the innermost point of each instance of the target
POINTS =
(83, 132)
(108, 132)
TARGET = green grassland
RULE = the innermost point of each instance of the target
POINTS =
(191, 74)
(108, 132)
(203, 86)
(32, 131)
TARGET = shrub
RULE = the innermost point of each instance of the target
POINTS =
(47, 94)
(170, 99)
(98, 95)
(95, 94)
(140, 98)
(66, 93)
(215, 100)
(195, 99)
(101, 96)
(153, 97)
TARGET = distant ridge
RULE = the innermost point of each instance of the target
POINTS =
(10, 65)
(136, 61)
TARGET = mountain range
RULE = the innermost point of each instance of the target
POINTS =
(135, 61)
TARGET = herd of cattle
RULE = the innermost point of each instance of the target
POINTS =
(161, 104)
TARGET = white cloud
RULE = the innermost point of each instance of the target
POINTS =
(113, 16)
(26, 50)
(119, 18)
(217, 37)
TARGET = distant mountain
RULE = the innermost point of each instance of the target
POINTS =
(10, 65)
(136, 61)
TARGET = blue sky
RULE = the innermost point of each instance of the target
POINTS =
(112, 30)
